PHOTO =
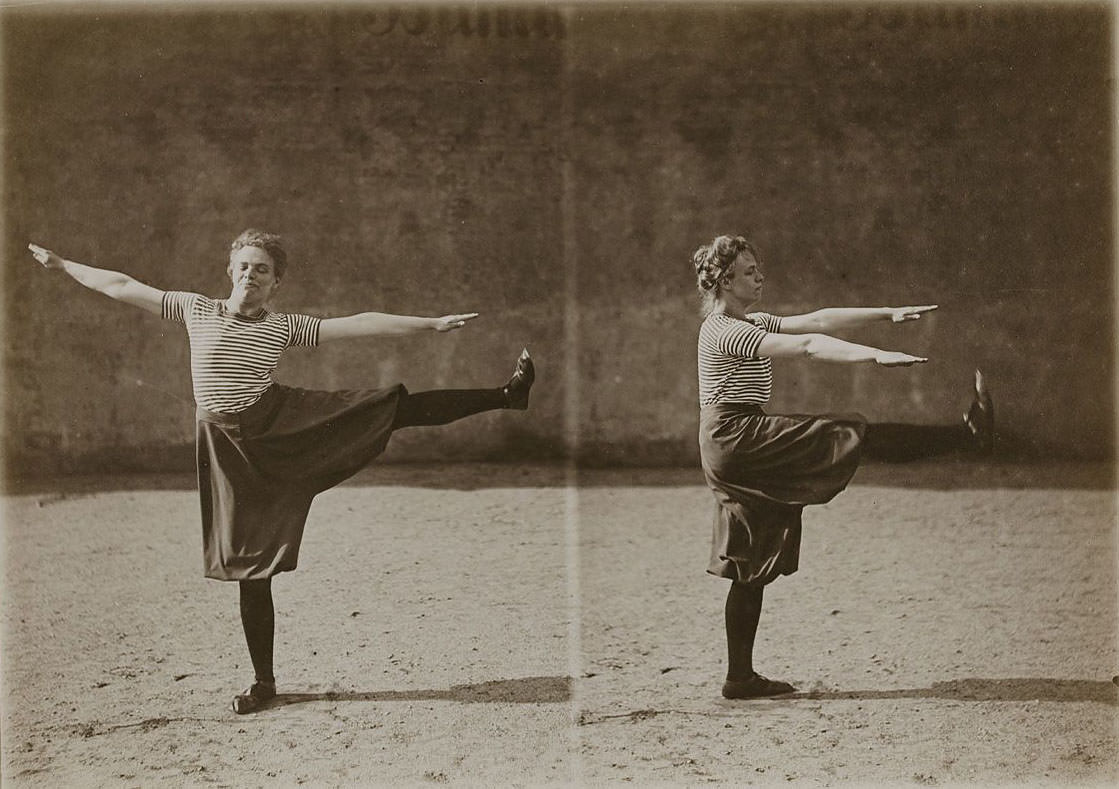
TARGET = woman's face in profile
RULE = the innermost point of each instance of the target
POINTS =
(744, 278)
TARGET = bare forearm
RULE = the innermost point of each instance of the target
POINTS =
(381, 323)
(831, 349)
(832, 319)
(111, 283)
(823, 348)
(373, 324)
(838, 318)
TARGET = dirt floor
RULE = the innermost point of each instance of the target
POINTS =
(951, 624)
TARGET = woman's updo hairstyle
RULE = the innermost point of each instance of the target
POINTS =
(712, 261)
(269, 242)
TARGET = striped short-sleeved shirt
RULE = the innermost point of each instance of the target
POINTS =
(232, 357)
(730, 371)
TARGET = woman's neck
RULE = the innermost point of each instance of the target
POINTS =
(728, 305)
(242, 308)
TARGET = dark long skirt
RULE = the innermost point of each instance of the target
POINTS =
(259, 470)
(763, 471)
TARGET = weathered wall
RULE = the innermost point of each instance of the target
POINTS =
(902, 154)
(554, 170)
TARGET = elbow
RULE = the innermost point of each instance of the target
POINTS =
(118, 286)
(115, 289)
(812, 346)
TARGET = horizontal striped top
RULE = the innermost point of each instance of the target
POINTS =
(232, 357)
(730, 371)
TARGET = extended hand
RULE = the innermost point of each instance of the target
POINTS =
(452, 322)
(897, 359)
(899, 314)
(45, 256)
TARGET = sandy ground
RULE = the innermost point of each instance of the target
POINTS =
(951, 624)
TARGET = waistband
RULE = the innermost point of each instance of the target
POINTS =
(237, 418)
(216, 418)
(732, 408)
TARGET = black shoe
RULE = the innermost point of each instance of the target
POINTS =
(756, 687)
(254, 698)
(980, 418)
(516, 390)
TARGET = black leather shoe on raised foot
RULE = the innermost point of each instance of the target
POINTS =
(980, 417)
(516, 390)
(757, 687)
(254, 698)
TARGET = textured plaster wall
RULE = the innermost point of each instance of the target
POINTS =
(554, 168)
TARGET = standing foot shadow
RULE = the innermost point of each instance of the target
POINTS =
(978, 689)
(526, 690)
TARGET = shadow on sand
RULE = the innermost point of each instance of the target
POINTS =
(974, 689)
(526, 690)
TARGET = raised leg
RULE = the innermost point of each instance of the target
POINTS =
(980, 417)
(896, 442)
(442, 406)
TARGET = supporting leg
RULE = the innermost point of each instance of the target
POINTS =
(258, 619)
(743, 612)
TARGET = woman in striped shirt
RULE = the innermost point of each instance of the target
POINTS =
(763, 469)
(265, 450)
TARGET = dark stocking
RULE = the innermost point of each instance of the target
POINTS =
(258, 618)
(445, 405)
(744, 609)
(897, 443)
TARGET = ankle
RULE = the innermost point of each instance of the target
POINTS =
(741, 676)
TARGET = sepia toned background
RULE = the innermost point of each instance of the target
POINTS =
(553, 168)
(516, 620)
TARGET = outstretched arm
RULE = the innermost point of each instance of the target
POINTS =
(113, 284)
(823, 348)
(380, 324)
(832, 319)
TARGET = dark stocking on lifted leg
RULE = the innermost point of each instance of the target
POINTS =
(258, 619)
(898, 443)
(441, 406)
(743, 611)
